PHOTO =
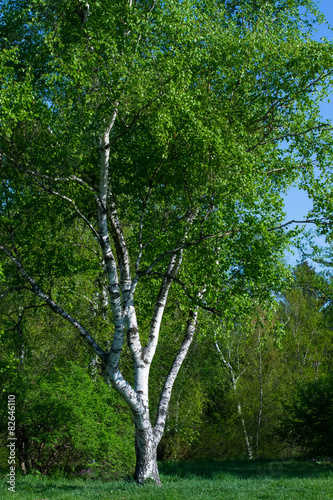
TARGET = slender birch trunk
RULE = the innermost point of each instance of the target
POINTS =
(261, 393)
(246, 436)
(234, 380)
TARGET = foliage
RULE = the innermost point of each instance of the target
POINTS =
(204, 119)
(308, 419)
(305, 313)
(150, 144)
(272, 353)
(65, 421)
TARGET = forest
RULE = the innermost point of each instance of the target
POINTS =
(147, 312)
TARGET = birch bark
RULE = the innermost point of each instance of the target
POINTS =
(121, 288)
(127, 69)
(121, 296)
(261, 392)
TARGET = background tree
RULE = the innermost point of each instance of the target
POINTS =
(275, 358)
(307, 342)
(251, 361)
(307, 419)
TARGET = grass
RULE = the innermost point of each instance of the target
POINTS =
(232, 479)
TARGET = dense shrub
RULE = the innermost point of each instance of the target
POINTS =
(308, 420)
(65, 421)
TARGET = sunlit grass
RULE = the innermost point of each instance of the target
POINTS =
(193, 480)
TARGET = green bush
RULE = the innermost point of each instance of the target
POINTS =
(308, 421)
(65, 421)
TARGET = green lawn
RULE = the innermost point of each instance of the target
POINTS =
(193, 480)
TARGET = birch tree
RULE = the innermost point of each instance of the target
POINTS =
(234, 378)
(156, 128)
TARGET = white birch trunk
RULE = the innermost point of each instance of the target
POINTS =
(246, 436)
(178, 361)
(146, 450)
(261, 394)
(234, 379)
(120, 289)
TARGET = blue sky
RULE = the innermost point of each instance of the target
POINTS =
(297, 203)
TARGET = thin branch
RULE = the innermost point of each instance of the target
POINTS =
(233, 377)
(283, 101)
(70, 178)
(182, 247)
(308, 221)
(72, 202)
(13, 289)
(291, 134)
(171, 377)
(193, 299)
(53, 305)
(133, 122)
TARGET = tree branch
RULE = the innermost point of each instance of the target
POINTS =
(55, 308)
(72, 202)
(166, 392)
(308, 221)
(173, 268)
(109, 260)
(182, 247)
(290, 134)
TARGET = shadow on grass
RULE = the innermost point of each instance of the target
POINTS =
(245, 469)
